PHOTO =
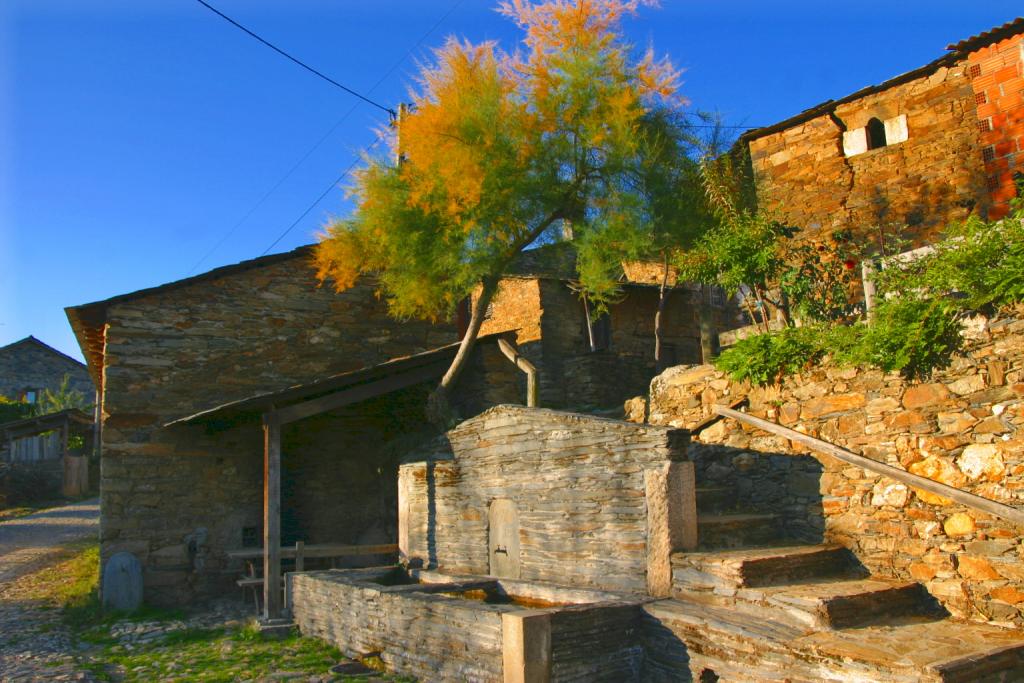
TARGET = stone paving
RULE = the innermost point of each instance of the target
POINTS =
(34, 644)
(28, 541)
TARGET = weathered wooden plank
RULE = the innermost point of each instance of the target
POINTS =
(272, 515)
(963, 497)
(319, 550)
(362, 392)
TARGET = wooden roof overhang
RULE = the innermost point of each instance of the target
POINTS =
(329, 393)
(31, 426)
(298, 402)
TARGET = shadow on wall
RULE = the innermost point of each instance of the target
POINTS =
(742, 481)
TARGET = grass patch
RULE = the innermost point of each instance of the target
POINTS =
(215, 656)
(202, 655)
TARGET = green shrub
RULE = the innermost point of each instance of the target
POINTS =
(913, 336)
(980, 264)
(767, 358)
(11, 410)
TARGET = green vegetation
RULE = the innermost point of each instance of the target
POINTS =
(63, 398)
(500, 152)
(207, 655)
(215, 655)
(11, 410)
(767, 358)
(915, 327)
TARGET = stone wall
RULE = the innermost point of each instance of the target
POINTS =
(963, 427)
(439, 634)
(933, 177)
(180, 497)
(577, 484)
(550, 325)
(32, 365)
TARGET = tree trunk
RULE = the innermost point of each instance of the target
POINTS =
(439, 410)
(707, 327)
(659, 361)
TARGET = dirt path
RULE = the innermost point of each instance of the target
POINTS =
(28, 541)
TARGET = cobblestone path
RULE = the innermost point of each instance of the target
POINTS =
(34, 644)
(28, 541)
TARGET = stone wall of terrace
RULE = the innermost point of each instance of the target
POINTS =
(963, 427)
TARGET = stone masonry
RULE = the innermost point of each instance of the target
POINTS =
(579, 485)
(962, 427)
(179, 498)
(31, 365)
(952, 136)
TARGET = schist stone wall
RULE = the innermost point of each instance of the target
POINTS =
(963, 427)
(436, 634)
(540, 495)
(179, 498)
(936, 175)
(30, 365)
(550, 325)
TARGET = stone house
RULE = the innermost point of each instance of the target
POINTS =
(611, 359)
(906, 156)
(185, 371)
(28, 366)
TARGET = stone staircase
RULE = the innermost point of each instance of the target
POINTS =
(750, 605)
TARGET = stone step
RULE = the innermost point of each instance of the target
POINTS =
(737, 530)
(715, 499)
(846, 603)
(767, 566)
(716, 642)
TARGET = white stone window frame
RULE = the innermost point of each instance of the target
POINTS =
(855, 141)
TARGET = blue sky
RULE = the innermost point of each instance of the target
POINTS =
(134, 134)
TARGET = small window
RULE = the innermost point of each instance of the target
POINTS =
(30, 396)
(876, 134)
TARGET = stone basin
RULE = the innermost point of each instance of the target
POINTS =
(438, 626)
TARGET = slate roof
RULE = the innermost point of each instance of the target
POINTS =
(33, 341)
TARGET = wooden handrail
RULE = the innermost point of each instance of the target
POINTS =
(526, 366)
(963, 497)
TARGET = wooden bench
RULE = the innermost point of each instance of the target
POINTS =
(253, 558)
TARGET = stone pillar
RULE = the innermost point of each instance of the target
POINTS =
(526, 646)
(671, 520)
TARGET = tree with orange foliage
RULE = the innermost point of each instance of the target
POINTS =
(498, 150)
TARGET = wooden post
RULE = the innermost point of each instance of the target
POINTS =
(867, 276)
(271, 516)
(300, 561)
(526, 366)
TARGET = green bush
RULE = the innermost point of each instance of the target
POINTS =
(913, 336)
(767, 358)
(11, 410)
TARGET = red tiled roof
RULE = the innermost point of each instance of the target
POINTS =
(1010, 28)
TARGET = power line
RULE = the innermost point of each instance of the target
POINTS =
(305, 66)
(426, 34)
(323, 194)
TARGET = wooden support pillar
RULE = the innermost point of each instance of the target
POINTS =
(271, 516)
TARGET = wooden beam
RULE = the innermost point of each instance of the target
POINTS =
(271, 516)
(715, 417)
(526, 366)
(363, 392)
(963, 497)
